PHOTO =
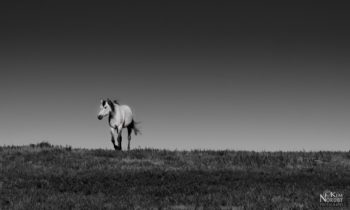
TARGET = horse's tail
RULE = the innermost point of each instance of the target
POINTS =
(135, 127)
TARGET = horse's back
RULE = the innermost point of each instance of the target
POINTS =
(126, 110)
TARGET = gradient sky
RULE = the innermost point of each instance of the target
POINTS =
(247, 76)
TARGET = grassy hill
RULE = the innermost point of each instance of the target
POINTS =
(43, 176)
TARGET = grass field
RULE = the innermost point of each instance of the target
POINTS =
(43, 176)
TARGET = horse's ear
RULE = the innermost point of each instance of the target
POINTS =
(103, 102)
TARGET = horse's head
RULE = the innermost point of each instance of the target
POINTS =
(106, 107)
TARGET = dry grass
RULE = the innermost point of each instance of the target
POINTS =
(43, 176)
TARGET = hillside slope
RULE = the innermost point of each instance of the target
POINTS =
(43, 176)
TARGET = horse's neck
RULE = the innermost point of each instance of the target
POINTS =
(114, 117)
(116, 114)
(116, 109)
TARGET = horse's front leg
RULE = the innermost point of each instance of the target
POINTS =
(113, 132)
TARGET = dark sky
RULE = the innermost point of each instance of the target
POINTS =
(252, 76)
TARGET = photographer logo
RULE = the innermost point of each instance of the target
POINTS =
(331, 199)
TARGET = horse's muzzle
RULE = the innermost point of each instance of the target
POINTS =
(99, 117)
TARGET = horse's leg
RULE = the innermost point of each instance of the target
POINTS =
(129, 137)
(113, 141)
(120, 138)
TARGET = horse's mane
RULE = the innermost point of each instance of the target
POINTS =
(110, 103)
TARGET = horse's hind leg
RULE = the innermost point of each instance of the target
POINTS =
(129, 137)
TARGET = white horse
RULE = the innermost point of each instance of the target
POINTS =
(119, 117)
